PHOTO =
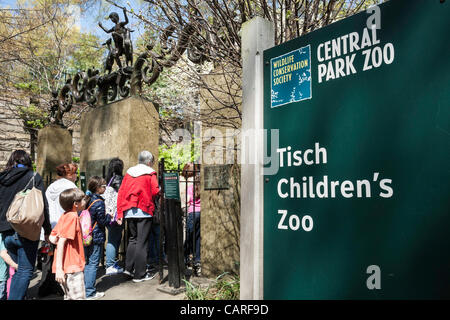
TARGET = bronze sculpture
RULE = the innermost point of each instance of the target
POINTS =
(97, 89)
(122, 39)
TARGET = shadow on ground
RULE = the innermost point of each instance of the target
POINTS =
(118, 287)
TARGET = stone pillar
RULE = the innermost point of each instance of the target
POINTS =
(120, 129)
(54, 147)
(219, 220)
(220, 173)
(257, 35)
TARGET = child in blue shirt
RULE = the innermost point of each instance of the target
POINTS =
(5, 262)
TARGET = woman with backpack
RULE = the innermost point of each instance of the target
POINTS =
(114, 178)
(19, 176)
(99, 220)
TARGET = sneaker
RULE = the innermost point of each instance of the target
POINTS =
(148, 276)
(113, 270)
(197, 269)
(97, 295)
(151, 268)
(152, 274)
(128, 273)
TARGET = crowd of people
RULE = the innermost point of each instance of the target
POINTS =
(77, 250)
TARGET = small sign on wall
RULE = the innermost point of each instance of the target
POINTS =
(217, 177)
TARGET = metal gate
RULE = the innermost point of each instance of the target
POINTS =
(179, 227)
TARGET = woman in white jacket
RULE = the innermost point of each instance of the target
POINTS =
(67, 173)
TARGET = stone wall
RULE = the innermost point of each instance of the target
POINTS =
(120, 129)
(220, 226)
(13, 136)
(53, 148)
(220, 209)
(75, 130)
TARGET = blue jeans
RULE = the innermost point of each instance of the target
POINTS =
(3, 289)
(112, 247)
(92, 255)
(193, 219)
(23, 252)
(153, 245)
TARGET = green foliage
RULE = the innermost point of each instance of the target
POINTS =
(27, 86)
(76, 160)
(228, 289)
(195, 292)
(165, 113)
(87, 53)
(48, 44)
(177, 153)
(33, 117)
(225, 287)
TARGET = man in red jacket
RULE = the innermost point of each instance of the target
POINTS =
(135, 203)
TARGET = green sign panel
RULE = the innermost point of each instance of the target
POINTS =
(358, 204)
(171, 185)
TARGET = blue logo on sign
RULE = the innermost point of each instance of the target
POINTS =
(290, 77)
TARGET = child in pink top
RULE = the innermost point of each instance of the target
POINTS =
(193, 204)
(192, 244)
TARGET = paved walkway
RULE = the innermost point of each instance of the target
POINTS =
(117, 287)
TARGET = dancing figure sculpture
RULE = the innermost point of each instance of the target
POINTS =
(122, 39)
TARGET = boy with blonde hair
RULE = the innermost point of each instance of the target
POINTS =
(69, 260)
